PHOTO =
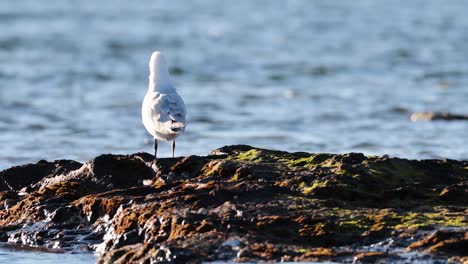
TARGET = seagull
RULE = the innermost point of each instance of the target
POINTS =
(163, 110)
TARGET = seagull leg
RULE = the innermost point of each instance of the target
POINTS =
(173, 148)
(155, 150)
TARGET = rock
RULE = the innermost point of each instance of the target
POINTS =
(316, 254)
(432, 116)
(443, 242)
(15, 178)
(455, 194)
(372, 257)
(120, 171)
(275, 205)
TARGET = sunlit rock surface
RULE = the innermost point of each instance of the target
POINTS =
(240, 204)
(433, 116)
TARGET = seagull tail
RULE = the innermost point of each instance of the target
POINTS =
(177, 127)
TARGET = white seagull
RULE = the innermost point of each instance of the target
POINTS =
(163, 110)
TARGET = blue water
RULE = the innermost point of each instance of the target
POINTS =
(15, 256)
(317, 76)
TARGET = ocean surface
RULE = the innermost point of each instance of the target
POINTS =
(19, 256)
(315, 76)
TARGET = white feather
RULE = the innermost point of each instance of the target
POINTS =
(163, 110)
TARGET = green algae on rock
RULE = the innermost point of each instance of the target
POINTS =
(240, 204)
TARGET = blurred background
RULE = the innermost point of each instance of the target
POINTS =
(316, 76)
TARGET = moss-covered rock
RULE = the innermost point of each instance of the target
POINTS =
(240, 203)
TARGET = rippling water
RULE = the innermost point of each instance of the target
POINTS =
(317, 76)
(18, 256)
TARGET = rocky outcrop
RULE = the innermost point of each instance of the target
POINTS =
(240, 203)
(433, 116)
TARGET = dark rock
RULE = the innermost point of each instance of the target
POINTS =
(372, 257)
(3, 237)
(65, 214)
(241, 203)
(444, 241)
(233, 149)
(191, 166)
(15, 178)
(121, 171)
(455, 194)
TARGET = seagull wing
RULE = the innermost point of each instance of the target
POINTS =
(168, 107)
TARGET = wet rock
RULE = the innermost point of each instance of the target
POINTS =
(15, 178)
(455, 194)
(65, 214)
(239, 204)
(120, 171)
(316, 254)
(231, 150)
(432, 116)
(444, 241)
(8, 203)
(190, 166)
(372, 257)
(3, 236)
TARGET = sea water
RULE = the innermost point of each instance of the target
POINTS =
(315, 76)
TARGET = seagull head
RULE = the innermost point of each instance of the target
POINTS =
(159, 73)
